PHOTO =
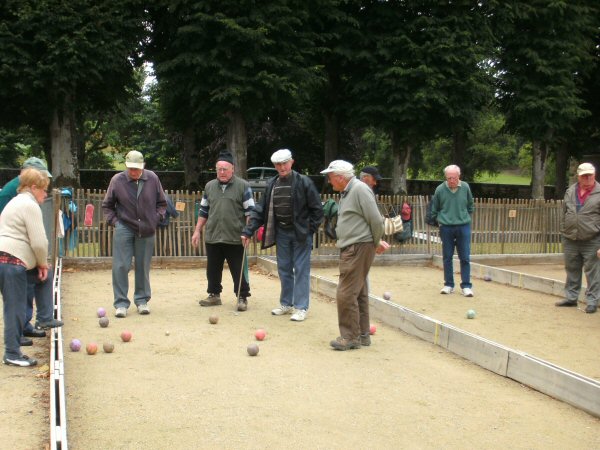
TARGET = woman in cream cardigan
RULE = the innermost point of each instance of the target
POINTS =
(23, 259)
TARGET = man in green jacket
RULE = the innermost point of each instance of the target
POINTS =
(359, 237)
(581, 238)
(452, 206)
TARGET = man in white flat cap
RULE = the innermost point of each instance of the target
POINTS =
(581, 238)
(359, 232)
(291, 213)
(134, 204)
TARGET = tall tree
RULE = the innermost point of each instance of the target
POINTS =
(61, 60)
(543, 46)
(230, 60)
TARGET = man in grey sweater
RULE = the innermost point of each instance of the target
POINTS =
(359, 231)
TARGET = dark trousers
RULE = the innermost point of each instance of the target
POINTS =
(352, 295)
(216, 255)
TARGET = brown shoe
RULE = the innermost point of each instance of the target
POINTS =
(365, 340)
(211, 300)
(566, 303)
(345, 344)
(242, 304)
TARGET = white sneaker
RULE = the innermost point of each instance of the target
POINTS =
(143, 309)
(299, 315)
(447, 290)
(283, 309)
(121, 312)
(467, 292)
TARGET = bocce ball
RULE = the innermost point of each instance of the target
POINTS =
(252, 349)
(103, 321)
(387, 295)
(75, 345)
(108, 347)
(126, 336)
(471, 314)
(260, 334)
(101, 312)
(91, 348)
(372, 329)
(487, 278)
(213, 319)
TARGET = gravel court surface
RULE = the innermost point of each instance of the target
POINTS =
(197, 388)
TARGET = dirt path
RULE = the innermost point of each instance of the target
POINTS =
(198, 388)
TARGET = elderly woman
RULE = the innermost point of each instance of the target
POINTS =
(23, 254)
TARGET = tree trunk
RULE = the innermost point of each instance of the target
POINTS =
(237, 141)
(191, 160)
(562, 161)
(458, 151)
(538, 173)
(332, 137)
(63, 147)
(401, 152)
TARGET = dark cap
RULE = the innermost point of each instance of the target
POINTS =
(371, 170)
(226, 156)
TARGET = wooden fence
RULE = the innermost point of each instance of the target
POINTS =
(499, 227)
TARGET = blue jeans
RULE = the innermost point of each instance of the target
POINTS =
(15, 282)
(293, 266)
(459, 237)
(126, 245)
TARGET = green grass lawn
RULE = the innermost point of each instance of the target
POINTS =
(505, 177)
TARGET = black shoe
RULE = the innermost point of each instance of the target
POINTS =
(566, 303)
(34, 333)
(242, 304)
(52, 323)
(26, 342)
(591, 309)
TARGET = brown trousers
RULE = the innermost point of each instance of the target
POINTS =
(352, 295)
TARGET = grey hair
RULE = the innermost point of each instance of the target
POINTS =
(453, 167)
(346, 175)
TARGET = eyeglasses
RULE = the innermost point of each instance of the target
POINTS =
(223, 169)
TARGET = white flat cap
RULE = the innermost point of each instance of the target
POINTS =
(339, 166)
(281, 156)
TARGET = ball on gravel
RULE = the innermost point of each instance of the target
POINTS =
(387, 295)
(108, 347)
(487, 278)
(75, 345)
(471, 314)
(213, 319)
(126, 335)
(91, 348)
(101, 312)
(252, 349)
(260, 334)
(167, 333)
(372, 329)
(103, 321)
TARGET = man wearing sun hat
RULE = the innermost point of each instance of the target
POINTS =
(291, 213)
(581, 238)
(359, 232)
(9, 191)
(134, 204)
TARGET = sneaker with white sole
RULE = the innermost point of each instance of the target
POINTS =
(143, 309)
(299, 315)
(447, 290)
(121, 312)
(21, 361)
(468, 292)
(282, 310)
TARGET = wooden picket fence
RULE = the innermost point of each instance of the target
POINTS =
(499, 227)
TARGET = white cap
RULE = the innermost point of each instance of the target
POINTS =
(134, 160)
(339, 166)
(281, 156)
(586, 168)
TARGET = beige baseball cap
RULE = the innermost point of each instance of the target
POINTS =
(585, 169)
(134, 160)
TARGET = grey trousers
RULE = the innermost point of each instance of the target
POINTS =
(126, 246)
(581, 255)
(352, 295)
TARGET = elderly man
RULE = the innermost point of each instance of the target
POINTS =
(370, 176)
(452, 206)
(291, 212)
(359, 231)
(224, 210)
(8, 192)
(134, 204)
(581, 238)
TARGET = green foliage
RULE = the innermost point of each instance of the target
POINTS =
(17, 145)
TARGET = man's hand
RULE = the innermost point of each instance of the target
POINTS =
(382, 247)
(245, 240)
(196, 238)
(42, 273)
